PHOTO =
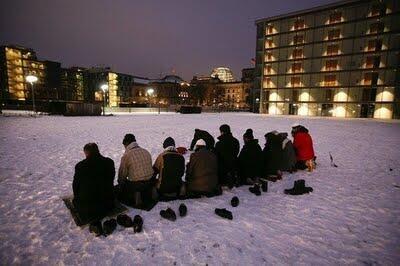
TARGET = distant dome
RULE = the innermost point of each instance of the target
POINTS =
(223, 73)
(173, 79)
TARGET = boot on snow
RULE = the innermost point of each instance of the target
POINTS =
(224, 213)
(96, 228)
(137, 224)
(124, 220)
(264, 185)
(299, 188)
(235, 201)
(109, 226)
(182, 210)
(168, 214)
(255, 190)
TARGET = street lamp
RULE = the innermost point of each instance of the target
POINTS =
(104, 88)
(32, 79)
(150, 92)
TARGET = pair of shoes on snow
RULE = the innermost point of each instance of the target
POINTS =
(170, 214)
(126, 221)
(255, 190)
(299, 188)
(224, 213)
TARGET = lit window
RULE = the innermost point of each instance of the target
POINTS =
(269, 43)
(334, 34)
(299, 24)
(373, 62)
(374, 45)
(330, 80)
(269, 56)
(297, 53)
(268, 69)
(370, 78)
(331, 65)
(335, 17)
(296, 67)
(270, 29)
(295, 81)
(332, 49)
(377, 27)
(378, 10)
(298, 39)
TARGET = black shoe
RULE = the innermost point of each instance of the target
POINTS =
(224, 213)
(182, 210)
(96, 228)
(264, 185)
(137, 224)
(168, 214)
(109, 226)
(255, 190)
(299, 188)
(124, 220)
(235, 201)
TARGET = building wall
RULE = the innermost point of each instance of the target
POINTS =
(338, 61)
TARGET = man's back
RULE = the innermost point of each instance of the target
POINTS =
(171, 167)
(136, 164)
(227, 149)
(93, 184)
(202, 171)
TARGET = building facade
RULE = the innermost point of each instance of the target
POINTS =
(17, 62)
(338, 60)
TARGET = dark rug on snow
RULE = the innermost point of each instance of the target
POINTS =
(118, 209)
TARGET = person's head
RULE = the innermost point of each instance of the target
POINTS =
(225, 129)
(248, 136)
(200, 144)
(91, 149)
(128, 139)
(168, 142)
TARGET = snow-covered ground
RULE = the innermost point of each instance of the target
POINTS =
(352, 217)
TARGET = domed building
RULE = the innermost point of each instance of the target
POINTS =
(223, 73)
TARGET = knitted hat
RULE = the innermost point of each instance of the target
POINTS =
(168, 142)
(200, 142)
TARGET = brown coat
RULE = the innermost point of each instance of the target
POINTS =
(202, 171)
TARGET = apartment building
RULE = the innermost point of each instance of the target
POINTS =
(338, 60)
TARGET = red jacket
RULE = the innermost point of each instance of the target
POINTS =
(303, 146)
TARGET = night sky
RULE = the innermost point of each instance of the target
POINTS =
(144, 38)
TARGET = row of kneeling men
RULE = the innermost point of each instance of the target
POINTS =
(210, 167)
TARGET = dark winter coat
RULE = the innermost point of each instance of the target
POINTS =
(250, 160)
(93, 186)
(202, 172)
(303, 146)
(207, 137)
(170, 167)
(272, 154)
(227, 150)
(289, 156)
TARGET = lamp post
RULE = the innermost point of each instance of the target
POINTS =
(150, 92)
(32, 79)
(104, 88)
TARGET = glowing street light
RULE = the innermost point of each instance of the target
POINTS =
(104, 88)
(150, 92)
(32, 79)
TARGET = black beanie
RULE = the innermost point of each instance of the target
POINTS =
(168, 142)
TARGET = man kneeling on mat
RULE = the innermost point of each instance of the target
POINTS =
(93, 184)
(135, 174)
